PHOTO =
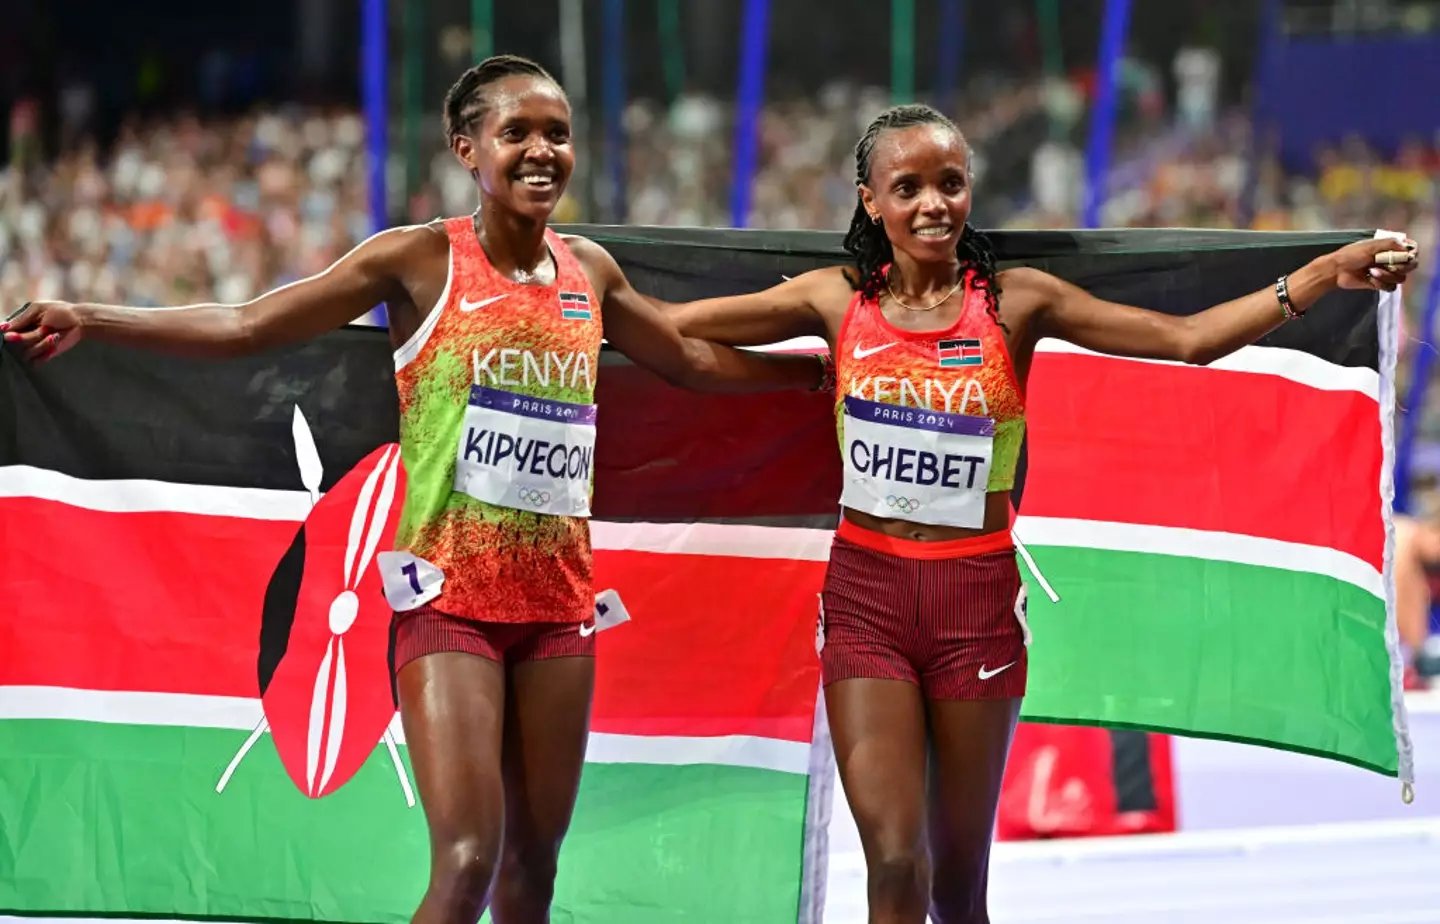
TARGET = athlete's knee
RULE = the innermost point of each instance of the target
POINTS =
(462, 869)
(957, 895)
(899, 879)
(530, 868)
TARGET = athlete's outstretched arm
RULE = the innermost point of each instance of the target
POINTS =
(369, 274)
(1070, 313)
(781, 312)
(637, 327)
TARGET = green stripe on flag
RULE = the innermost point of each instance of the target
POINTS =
(109, 819)
(1211, 648)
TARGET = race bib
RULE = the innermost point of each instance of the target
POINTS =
(408, 580)
(918, 465)
(526, 453)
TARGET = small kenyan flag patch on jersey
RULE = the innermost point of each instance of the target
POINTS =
(960, 352)
(574, 306)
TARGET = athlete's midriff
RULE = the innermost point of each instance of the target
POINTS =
(500, 563)
(963, 369)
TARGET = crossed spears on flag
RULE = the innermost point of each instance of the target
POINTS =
(366, 523)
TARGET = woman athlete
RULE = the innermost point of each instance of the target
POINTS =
(496, 322)
(923, 657)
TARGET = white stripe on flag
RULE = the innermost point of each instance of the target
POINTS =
(731, 539)
(719, 539)
(1299, 367)
(138, 496)
(141, 496)
(238, 713)
(1200, 544)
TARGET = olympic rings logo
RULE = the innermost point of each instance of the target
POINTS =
(535, 497)
(903, 504)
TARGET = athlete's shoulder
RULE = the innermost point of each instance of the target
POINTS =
(599, 266)
(589, 253)
(1024, 289)
(1025, 280)
(408, 242)
(829, 283)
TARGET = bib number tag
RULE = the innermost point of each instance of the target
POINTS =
(918, 465)
(526, 453)
(408, 580)
(609, 610)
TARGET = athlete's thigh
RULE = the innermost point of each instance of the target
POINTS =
(452, 705)
(878, 728)
(969, 743)
(547, 723)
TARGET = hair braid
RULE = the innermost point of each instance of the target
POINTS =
(466, 102)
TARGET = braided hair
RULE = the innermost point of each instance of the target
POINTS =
(866, 240)
(466, 101)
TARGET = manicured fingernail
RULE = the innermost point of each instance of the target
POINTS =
(4, 326)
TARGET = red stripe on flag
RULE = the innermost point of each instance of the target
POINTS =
(171, 603)
(1206, 449)
(717, 646)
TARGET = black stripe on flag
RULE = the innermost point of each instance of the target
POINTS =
(663, 454)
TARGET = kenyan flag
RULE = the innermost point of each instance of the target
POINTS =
(1219, 536)
(179, 738)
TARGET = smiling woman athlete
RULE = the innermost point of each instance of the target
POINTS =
(924, 653)
(497, 322)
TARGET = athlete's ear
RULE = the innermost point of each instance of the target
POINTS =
(463, 147)
(867, 199)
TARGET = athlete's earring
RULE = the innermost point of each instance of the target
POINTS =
(874, 219)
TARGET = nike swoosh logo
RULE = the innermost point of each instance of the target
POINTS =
(862, 352)
(587, 631)
(986, 675)
(467, 306)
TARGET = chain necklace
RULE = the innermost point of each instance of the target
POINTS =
(542, 275)
(931, 307)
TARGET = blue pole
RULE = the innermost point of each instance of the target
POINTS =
(1269, 56)
(1102, 121)
(749, 97)
(613, 99)
(372, 90)
(947, 63)
(1420, 372)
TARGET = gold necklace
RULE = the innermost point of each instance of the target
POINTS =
(943, 299)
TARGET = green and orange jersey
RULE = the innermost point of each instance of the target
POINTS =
(964, 369)
(500, 564)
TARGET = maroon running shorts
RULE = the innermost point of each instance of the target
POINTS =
(946, 616)
(426, 630)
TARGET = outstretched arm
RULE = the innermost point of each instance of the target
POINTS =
(1070, 313)
(637, 327)
(369, 274)
(781, 312)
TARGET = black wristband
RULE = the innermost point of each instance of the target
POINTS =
(1282, 293)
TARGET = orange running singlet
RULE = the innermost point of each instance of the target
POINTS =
(496, 396)
(964, 369)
